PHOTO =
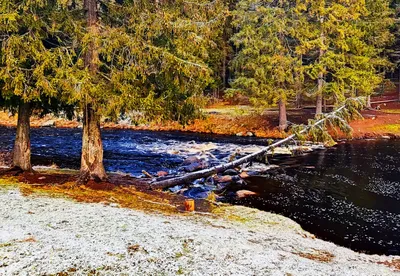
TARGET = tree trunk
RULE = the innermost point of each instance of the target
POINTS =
(298, 100)
(369, 101)
(318, 109)
(282, 115)
(398, 87)
(92, 147)
(22, 145)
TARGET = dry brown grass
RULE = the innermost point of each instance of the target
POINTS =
(317, 255)
(394, 264)
(121, 191)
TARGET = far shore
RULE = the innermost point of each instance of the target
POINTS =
(243, 121)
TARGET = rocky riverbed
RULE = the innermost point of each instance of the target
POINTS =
(46, 236)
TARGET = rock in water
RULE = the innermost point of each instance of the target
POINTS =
(191, 160)
(162, 173)
(244, 175)
(50, 123)
(195, 167)
(231, 172)
(197, 192)
(175, 189)
(259, 167)
(225, 178)
(245, 193)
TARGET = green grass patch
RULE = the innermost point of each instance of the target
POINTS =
(391, 111)
(8, 182)
(392, 128)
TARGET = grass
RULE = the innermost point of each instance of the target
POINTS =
(391, 111)
(127, 197)
(390, 128)
(8, 183)
(318, 255)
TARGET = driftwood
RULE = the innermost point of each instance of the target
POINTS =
(187, 178)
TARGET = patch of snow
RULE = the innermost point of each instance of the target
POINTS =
(40, 236)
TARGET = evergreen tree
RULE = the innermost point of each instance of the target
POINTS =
(343, 42)
(30, 57)
(145, 56)
(266, 67)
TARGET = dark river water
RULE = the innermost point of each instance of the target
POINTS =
(349, 194)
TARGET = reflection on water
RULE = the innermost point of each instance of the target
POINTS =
(349, 194)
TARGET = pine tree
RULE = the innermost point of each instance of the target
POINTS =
(31, 55)
(342, 42)
(143, 56)
(266, 67)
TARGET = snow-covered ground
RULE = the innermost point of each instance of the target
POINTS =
(45, 236)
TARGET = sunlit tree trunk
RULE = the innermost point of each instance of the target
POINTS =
(92, 147)
(282, 115)
(318, 109)
(369, 101)
(22, 145)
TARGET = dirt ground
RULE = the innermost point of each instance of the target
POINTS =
(123, 190)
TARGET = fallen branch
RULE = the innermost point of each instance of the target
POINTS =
(163, 184)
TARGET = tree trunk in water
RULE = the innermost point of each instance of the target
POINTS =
(22, 145)
(187, 178)
(92, 147)
(282, 115)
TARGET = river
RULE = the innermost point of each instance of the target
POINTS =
(349, 194)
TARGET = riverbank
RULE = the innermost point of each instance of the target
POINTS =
(42, 235)
(244, 121)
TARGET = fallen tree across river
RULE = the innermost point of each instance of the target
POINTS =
(339, 116)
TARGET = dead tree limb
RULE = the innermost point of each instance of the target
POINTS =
(187, 178)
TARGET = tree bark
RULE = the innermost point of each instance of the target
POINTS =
(369, 101)
(318, 109)
(398, 87)
(92, 147)
(22, 145)
(282, 115)
(298, 100)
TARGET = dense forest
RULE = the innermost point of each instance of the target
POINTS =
(161, 59)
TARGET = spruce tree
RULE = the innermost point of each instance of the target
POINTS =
(266, 66)
(342, 42)
(30, 57)
(143, 56)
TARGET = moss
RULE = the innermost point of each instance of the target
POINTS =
(227, 213)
